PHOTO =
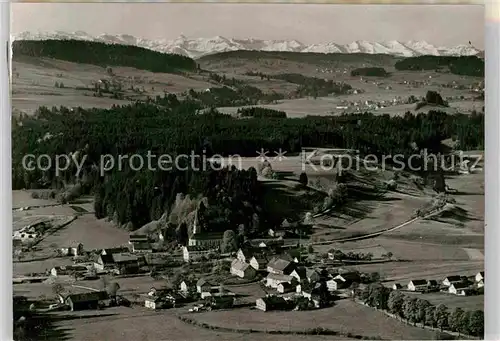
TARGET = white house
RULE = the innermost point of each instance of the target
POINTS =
(194, 253)
(273, 280)
(451, 280)
(242, 269)
(480, 284)
(302, 273)
(480, 276)
(417, 285)
(334, 284)
(280, 266)
(203, 285)
(259, 262)
(245, 254)
(458, 289)
(76, 249)
(285, 287)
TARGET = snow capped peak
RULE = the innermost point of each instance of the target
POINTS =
(198, 47)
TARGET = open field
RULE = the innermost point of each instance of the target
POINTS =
(141, 324)
(452, 301)
(346, 317)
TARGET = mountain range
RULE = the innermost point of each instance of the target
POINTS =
(198, 47)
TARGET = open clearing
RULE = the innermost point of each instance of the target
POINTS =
(346, 317)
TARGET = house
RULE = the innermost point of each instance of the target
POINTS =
(460, 289)
(242, 269)
(259, 262)
(159, 300)
(194, 253)
(104, 262)
(272, 303)
(280, 266)
(303, 273)
(417, 285)
(110, 251)
(245, 254)
(217, 291)
(203, 285)
(480, 284)
(348, 278)
(88, 300)
(334, 284)
(220, 302)
(142, 247)
(67, 270)
(285, 287)
(397, 286)
(480, 276)
(276, 232)
(432, 283)
(451, 279)
(76, 249)
(126, 263)
(187, 286)
(138, 238)
(273, 280)
(315, 294)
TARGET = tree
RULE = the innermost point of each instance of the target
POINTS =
(476, 323)
(395, 302)
(430, 316)
(454, 319)
(310, 249)
(441, 316)
(229, 242)
(463, 324)
(303, 179)
(374, 277)
(422, 306)
(410, 309)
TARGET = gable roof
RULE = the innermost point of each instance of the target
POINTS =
(239, 265)
(261, 259)
(481, 273)
(248, 252)
(419, 282)
(106, 259)
(459, 286)
(88, 296)
(141, 246)
(279, 264)
(124, 257)
(207, 236)
(277, 277)
(454, 278)
(348, 276)
(202, 281)
(110, 251)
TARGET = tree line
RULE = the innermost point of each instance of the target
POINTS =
(103, 54)
(463, 65)
(417, 310)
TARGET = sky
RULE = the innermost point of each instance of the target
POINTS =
(441, 25)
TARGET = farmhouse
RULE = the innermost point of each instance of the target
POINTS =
(220, 302)
(396, 286)
(303, 273)
(417, 285)
(276, 232)
(141, 247)
(272, 303)
(206, 239)
(480, 276)
(217, 291)
(73, 250)
(203, 285)
(187, 286)
(194, 253)
(67, 270)
(460, 289)
(336, 284)
(245, 254)
(110, 251)
(126, 263)
(88, 300)
(348, 278)
(273, 280)
(432, 283)
(159, 300)
(242, 269)
(138, 238)
(451, 279)
(280, 266)
(285, 287)
(259, 262)
(104, 262)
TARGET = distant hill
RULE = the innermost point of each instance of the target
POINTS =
(102, 54)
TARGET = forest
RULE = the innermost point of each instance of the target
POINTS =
(370, 72)
(464, 65)
(102, 54)
(167, 125)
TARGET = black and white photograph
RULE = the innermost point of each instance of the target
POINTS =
(225, 171)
